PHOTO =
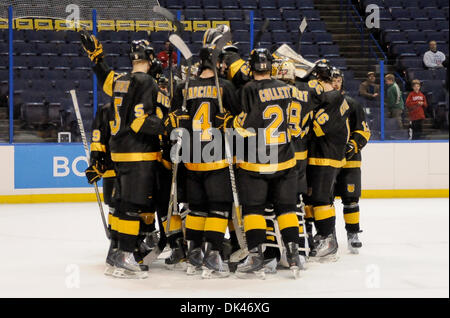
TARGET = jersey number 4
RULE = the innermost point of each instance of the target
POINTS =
(202, 121)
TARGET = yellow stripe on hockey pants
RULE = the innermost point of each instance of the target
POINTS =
(288, 223)
(255, 230)
(324, 219)
(175, 224)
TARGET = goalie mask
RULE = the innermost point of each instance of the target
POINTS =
(286, 72)
(261, 60)
(141, 50)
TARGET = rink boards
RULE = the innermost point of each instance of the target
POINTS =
(55, 172)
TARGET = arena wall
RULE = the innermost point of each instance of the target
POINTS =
(54, 172)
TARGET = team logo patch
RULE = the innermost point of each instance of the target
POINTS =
(350, 188)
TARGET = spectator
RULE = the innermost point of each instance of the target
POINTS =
(369, 90)
(433, 58)
(416, 104)
(394, 100)
(163, 56)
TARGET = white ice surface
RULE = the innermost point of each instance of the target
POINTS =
(58, 250)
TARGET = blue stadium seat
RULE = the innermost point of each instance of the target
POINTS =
(158, 37)
(19, 35)
(36, 37)
(441, 25)
(57, 37)
(417, 37)
(309, 51)
(104, 36)
(411, 62)
(241, 36)
(267, 4)
(329, 51)
(395, 38)
(437, 36)
(317, 26)
(197, 37)
(120, 37)
(194, 14)
(27, 74)
(233, 15)
(339, 63)
(287, 4)
(385, 15)
(440, 74)
(389, 26)
(291, 15)
(311, 15)
(248, 4)
(212, 4)
(400, 14)
(421, 49)
(437, 14)
(192, 4)
(73, 37)
(408, 26)
(393, 4)
(70, 50)
(283, 38)
(323, 38)
(174, 4)
(82, 63)
(228, 4)
(427, 25)
(410, 3)
(35, 113)
(305, 4)
(53, 75)
(239, 26)
(308, 38)
(422, 75)
(214, 14)
(403, 50)
(139, 35)
(272, 14)
(418, 15)
(24, 48)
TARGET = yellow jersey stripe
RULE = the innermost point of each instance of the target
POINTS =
(135, 156)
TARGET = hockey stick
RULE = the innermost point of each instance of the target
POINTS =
(261, 32)
(171, 17)
(236, 213)
(177, 42)
(86, 149)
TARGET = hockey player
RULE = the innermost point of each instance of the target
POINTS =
(134, 145)
(207, 183)
(265, 104)
(101, 166)
(326, 155)
(233, 67)
(348, 182)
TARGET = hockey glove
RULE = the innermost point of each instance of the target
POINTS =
(223, 121)
(93, 174)
(91, 45)
(177, 119)
(350, 150)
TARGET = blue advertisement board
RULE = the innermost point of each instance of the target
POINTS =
(49, 166)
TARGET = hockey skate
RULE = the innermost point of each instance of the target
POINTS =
(326, 249)
(177, 259)
(295, 260)
(354, 244)
(270, 265)
(125, 266)
(213, 265)
(110, 260)
(194, 259)
(253, 264)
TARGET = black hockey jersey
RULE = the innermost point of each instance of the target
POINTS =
(359, 131)
(100, 139)
(331, 131)
(133, 121)
(264, 121)
(203, 107)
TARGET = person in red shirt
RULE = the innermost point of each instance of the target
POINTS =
(416, 104)
(163, 56)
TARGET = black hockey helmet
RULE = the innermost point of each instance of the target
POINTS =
(261, 60)
(141, 50)
(323, 70)
(156, 69)
(163, 81)
(335, 72)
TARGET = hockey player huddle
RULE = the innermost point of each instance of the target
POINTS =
(152, 147)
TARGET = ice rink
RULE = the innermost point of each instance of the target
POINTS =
(58, 250)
